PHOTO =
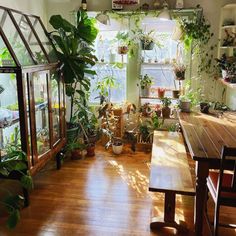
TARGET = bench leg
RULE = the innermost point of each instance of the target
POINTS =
(169, 215)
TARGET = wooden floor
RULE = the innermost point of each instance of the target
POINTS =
(103, 195)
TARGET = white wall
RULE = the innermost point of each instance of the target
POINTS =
(35, 7)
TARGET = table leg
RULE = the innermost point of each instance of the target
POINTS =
(202, 171)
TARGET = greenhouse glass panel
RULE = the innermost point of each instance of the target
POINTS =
(43, 38)
(5, 56)
(21, 20)
(15, 40)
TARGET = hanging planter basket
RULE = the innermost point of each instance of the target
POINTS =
(126, 2)
(180, 75)
(147, 45)
(122, 50)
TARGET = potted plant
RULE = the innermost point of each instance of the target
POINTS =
(204, 107)
(165, 109)
(145, 84)
(104, 87)
(117, 146)
(145, 110)
(161, 92)
(77, 149)
(147, 40)
(145, 133)
(109, 126)
(73, 46)
(123, 41)
(14, 166)
(227, 65)
(179, 70)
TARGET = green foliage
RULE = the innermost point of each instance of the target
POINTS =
(104, 87)
(166, 101)
(13, 204)
(73, 45)
(145, 81)
(157, 122)
(15, 162)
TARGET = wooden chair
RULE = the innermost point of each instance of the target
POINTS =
(222, 187)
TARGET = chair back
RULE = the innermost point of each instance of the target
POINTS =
(228, 155)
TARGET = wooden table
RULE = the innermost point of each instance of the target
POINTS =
(205, 135)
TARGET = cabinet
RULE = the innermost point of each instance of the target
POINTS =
(32, 100)
(227, 45)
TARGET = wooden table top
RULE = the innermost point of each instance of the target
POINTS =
(205, 134)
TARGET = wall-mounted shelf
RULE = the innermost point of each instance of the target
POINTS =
(228, 27)
(227, 47)
(230, 85)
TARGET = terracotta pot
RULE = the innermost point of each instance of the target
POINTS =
(91, 150)
(161, 93)
(166, 112)
(76, 154)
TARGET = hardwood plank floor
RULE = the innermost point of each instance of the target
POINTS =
(103, 195)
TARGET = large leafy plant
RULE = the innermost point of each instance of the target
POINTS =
(73, 44)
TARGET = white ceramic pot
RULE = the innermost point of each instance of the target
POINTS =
(117, 149)
(145, 92)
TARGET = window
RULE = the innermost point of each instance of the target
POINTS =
(157, 62)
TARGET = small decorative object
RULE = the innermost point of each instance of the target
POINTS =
(126, 2)
(157, 4)
(149, 60)
(204, 107)
(145, 84)
(227, 65)
(229, 39)
(145, 7)
(116, 6)
(228, 22)
(84, 5)
(161, 92)
(165, 109)
(179, 4)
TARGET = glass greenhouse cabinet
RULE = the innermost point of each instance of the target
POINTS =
(32, 101)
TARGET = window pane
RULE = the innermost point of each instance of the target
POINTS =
(117, 94)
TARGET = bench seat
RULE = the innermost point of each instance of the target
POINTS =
(170, 174)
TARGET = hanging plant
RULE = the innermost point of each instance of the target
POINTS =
(196, 36)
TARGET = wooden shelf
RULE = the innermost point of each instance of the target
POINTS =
(228, 27)
(157, 98)
(230, 85)
(226, 47)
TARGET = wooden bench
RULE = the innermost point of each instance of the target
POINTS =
(170, 174)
